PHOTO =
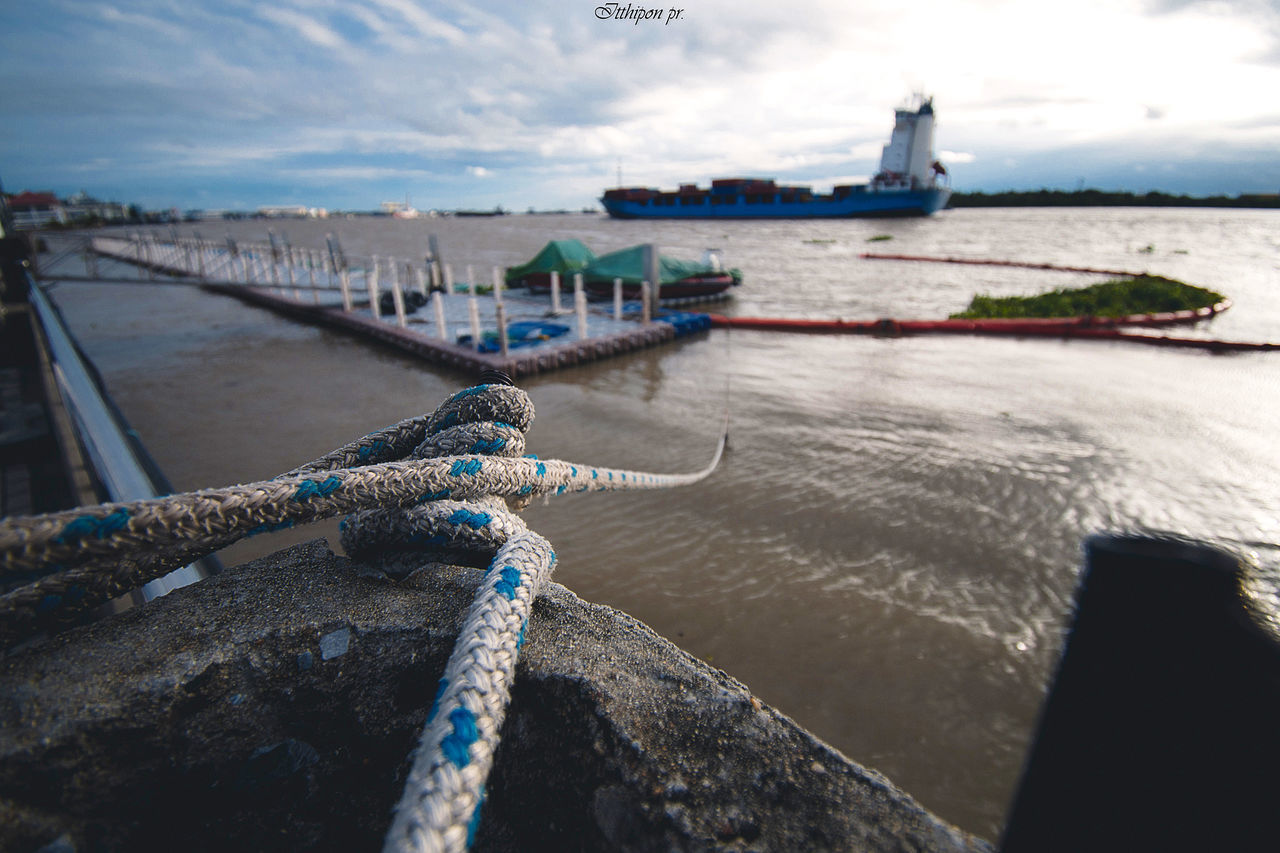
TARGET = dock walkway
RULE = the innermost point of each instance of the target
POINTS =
(416, 309)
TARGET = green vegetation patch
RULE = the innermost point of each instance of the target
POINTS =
(879, 238)
(1144, 294)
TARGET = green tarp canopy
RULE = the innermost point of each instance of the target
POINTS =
(628, 265)
(562, 256)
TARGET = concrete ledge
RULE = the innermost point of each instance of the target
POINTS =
(274, 707)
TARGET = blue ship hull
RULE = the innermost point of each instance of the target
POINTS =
(864, 202)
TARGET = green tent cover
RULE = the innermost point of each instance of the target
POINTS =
(562, 256)
(628, 265)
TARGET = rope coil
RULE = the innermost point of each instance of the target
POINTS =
(439, 487)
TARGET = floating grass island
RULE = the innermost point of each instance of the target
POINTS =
(1144, 294)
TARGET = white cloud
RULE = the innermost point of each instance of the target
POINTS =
(423, 22)
(309, 28)
(479, 172)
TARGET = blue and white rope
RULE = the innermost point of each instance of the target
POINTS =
(455, 497)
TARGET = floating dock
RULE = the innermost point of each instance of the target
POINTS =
(415, 309)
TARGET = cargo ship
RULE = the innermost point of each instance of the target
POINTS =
(910, 182)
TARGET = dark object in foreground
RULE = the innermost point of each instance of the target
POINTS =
(274, 707)
(1162, 729)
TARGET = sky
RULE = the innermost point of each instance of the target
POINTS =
(344, 104)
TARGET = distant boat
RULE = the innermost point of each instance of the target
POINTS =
(910, 183)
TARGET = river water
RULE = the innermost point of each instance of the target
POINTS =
(889, 549)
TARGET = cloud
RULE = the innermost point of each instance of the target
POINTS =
(309, 28)
(343, 100)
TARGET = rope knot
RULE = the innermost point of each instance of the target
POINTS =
(483, 420)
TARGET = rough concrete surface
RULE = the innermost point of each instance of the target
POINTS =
(274, 707)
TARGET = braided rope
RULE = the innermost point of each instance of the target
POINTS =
(450, 497)
(439, 810)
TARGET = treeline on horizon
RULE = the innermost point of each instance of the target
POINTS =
(1102, 198)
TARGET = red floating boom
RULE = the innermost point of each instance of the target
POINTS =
(1075, 327)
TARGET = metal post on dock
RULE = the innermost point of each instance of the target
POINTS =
(371, 282)
(434, 264)
(617, 299)
(653, 272)
(437, 305)
(473, 316)
(421, 276)
(248, 261)
(289, 260)
(501, 311)
(555, 292)
(344, 282)
(580, 307)
(232, 252)
(471, 280)
(146, 254)
(435, 277)
(335, 263)
(397, 298)
(275, 258)
(497, 285)
(312, 258)
(645, 316)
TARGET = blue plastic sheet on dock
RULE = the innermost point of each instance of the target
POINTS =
(521, 334)
(686, 322)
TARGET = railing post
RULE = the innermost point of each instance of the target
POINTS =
(653, 272)
(580, 307)
(344, 282)
(397, 297)
(437, 305)
(311, 256)
(501, 311)
(617, 299)
(371, 282)
(473, 315)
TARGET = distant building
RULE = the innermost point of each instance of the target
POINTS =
(82, 206)
(293, 211)
(36, 210)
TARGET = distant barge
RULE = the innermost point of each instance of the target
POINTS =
(910, 183)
